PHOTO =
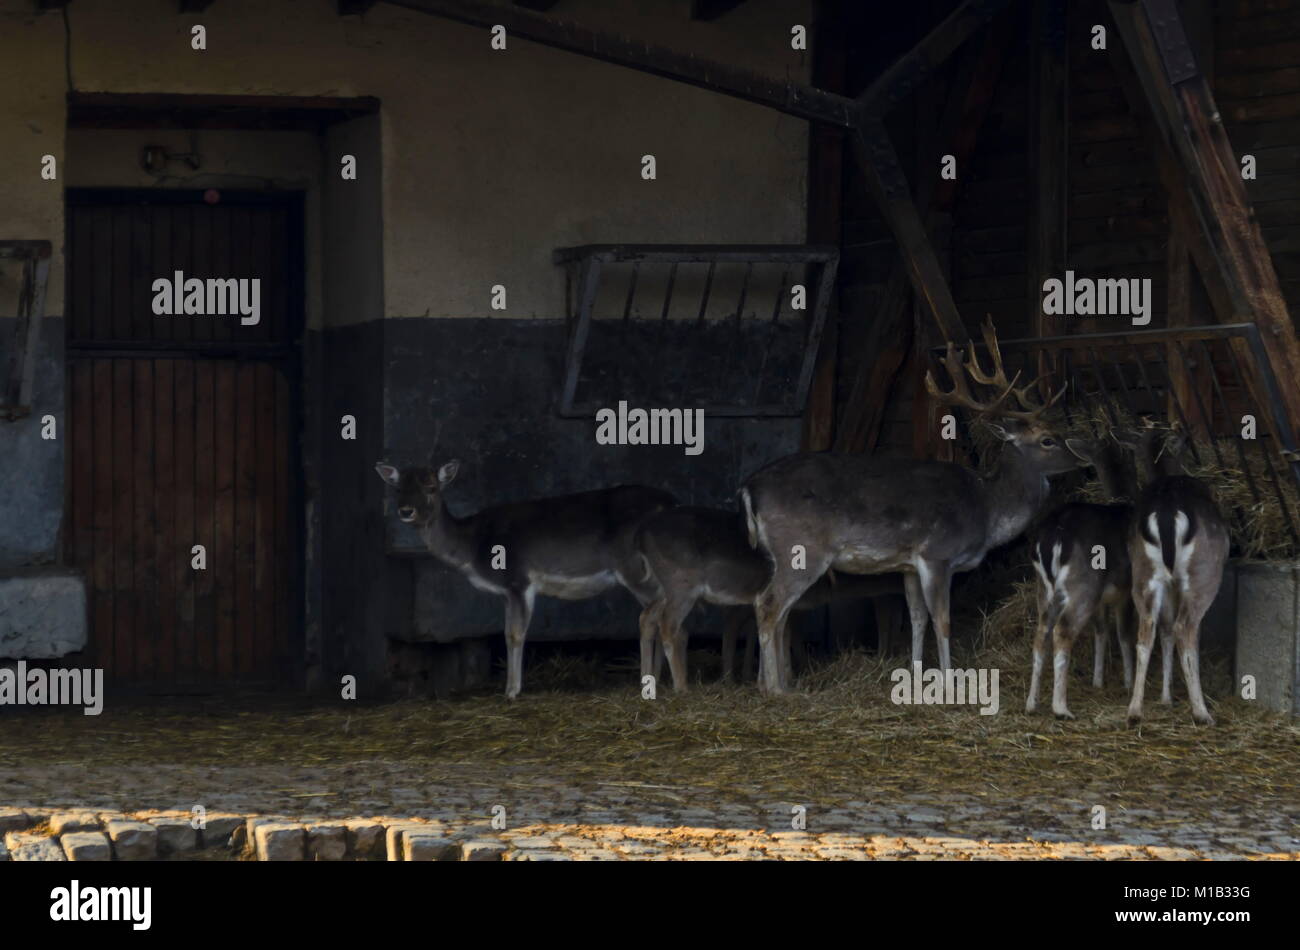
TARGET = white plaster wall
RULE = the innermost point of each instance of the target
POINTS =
(491, 159)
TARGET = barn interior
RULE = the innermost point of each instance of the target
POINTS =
(916, 169)
(476, 225)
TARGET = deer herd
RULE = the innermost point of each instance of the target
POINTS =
(816, 527)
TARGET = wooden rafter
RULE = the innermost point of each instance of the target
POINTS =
(792, 98)
(918, 64)
(1191, 128)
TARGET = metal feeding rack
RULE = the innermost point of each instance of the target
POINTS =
(592, 269)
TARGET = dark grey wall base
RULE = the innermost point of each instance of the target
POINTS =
(486, 390)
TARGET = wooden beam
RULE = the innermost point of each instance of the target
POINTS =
(1192, 128)
(792, 98)
(707, 10)
(1190, 385)
(918, 65)
(889, 338)
(888, 185)
(825, 211)
(1048, 154)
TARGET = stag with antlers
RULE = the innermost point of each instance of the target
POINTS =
(930, 520)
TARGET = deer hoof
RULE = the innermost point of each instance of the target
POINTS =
(1203, 719)
(1063, 714)
(1135, 719)
(1166, 701)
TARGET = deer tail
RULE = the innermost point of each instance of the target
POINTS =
(751, 521)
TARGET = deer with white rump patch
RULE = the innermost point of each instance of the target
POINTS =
(1178, 542)
(572, 547)
(1080, 556)
(862, 515)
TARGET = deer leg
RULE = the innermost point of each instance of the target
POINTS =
(1099, 644)
(1187, 635)
(1147, 602)
(649, 627)
(673, 636)
(1062, 642)
(936, 582)
(519, 611)
(1167, 665)
(771, 608)
(918, 613)
(1124, 632)
(1049, 612)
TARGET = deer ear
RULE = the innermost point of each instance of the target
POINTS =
(1082, 449)
(447, 474)
(388, 473)
(1003, 432)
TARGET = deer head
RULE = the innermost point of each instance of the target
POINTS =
(1157, 448)
(1023, 429)
(419, 489)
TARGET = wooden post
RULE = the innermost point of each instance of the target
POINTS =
(1185, 300)
(825, 213)
(1048, 159)
(1189, 123)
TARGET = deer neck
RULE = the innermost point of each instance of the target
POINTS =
(1015, 493)
(450, 539)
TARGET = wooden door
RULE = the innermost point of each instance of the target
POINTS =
(183, 465)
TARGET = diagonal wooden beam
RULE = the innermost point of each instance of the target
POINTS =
(888, 186)
(1191, 127)
(797, 99)
(917, 66)
(889, 338)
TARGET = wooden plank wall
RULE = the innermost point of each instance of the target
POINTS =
(1117, 215)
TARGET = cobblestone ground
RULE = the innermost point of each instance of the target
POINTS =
(450, 818)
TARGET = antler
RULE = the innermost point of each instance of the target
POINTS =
(960, 394)
(1034, 408)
